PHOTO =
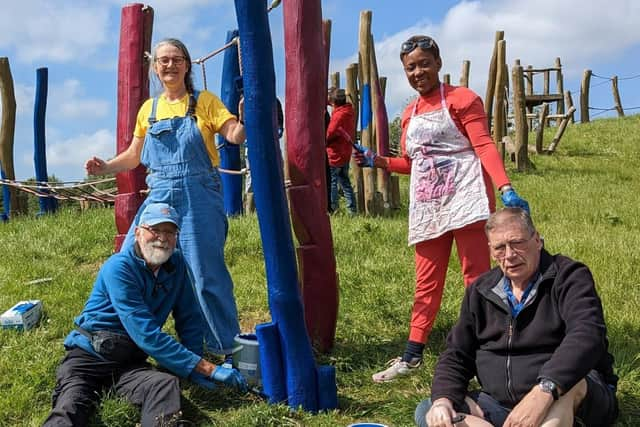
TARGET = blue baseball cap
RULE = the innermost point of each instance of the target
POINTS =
(157, 213)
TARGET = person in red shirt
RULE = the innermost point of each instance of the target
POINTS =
(448, 151)
(340, 136)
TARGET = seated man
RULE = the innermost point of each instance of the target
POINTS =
(121, 325)
(532, 331)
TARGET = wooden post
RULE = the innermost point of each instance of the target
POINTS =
(568, 101)
(499, 112)
(544, 111)
(559, 86)
(560, 131)
(366, 132)
(528, 83)
(335, 79)
(616, 96)
(446, 78)
(351, 76)
(7, 132)
(464, 76)
(133, 89)
(584, 96)
(491, 79)
(520, 114)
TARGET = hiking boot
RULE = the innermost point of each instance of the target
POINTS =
(396, 367)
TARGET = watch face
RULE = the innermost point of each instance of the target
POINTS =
(549, 387)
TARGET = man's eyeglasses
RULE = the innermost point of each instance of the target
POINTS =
(167, 234)
(499, 251)
(166, 60)
(424, 44)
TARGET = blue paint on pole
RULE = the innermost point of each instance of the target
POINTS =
(47, 204)
(365, 108)
(230, 153)
(6, 198)
(275, 228)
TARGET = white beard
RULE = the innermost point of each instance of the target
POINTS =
(155, 253)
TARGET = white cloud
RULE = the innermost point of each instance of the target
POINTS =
(66, 157)
(70, 104)
(53, 31)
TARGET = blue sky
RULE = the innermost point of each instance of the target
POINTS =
(78, 41)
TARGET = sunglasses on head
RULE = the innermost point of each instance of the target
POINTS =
(425, 43)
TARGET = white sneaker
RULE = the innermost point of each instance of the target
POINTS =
(397, 367)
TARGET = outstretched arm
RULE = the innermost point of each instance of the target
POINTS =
(128, 159)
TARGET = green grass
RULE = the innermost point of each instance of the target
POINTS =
(584, 201)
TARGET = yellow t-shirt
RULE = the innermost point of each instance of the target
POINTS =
(210, 111)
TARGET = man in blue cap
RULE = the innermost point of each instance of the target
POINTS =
(121, 325)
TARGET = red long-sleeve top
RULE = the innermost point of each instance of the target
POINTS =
(467, 112)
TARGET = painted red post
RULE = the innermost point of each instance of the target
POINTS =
(305, 106)
(133, 89)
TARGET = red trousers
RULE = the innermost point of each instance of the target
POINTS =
(432, 260)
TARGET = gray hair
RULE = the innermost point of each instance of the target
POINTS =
(505, 215)
(188, 77)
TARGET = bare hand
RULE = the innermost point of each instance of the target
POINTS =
(95, 166)
(531, 410)
(440, 414)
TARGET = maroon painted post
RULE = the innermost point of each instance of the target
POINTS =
(133, 89)
(305, 106)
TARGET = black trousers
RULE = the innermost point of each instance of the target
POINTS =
(81, 377)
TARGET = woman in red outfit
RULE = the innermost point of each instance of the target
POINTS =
(447, 149)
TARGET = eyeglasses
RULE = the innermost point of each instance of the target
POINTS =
(157, 233)
(166, 60)
(424, 44)
(519, 246)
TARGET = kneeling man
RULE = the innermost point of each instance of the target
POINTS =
(532, 331)
(121, 325)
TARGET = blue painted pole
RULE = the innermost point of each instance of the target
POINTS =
(230, 153)
(47, 204)
(6, 198)
(271, 207)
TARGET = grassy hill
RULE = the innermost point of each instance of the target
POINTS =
(584, 201)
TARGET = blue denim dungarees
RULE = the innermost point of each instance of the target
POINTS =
(181, 174)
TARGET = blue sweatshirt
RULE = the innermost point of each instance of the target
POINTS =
(128, 298)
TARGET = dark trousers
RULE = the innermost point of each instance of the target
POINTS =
(82, 376)
(340, 175)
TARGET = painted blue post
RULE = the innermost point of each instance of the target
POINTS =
(230, 153)
(275, 228)
(47, 204)
(6, 198)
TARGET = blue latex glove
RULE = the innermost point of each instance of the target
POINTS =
(511, 199)
(364, 156)
(202, 380)
(230, 377)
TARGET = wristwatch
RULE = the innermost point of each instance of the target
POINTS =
(550, 387)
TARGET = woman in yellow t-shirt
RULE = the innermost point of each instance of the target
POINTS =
(174, 139)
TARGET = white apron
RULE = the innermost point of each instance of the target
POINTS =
(447, 190)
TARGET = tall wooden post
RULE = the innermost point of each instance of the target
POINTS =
(335, 79)
(520, 113)
(499, 112)
(366, 131)
(559, 86)
(542, 118)
(584, 96)
(616, 96)
(491, 79)
(306, 102)
(133, 89)
(351, 76)
(7, 131)
(464, 75)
